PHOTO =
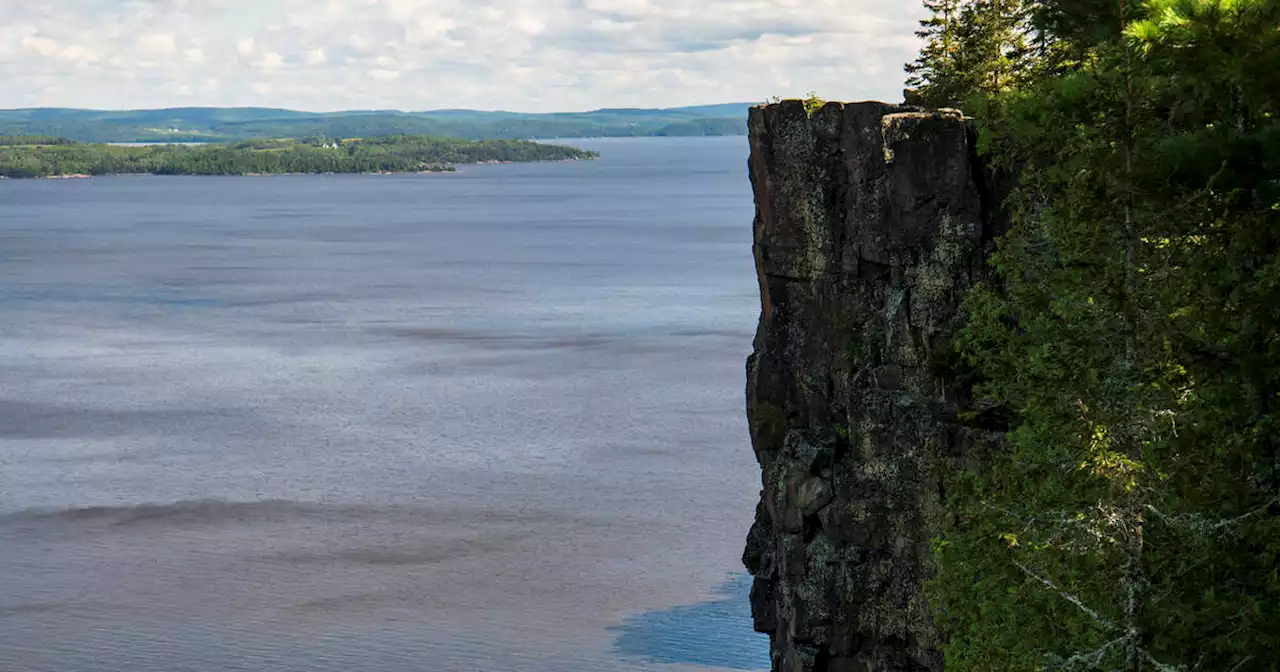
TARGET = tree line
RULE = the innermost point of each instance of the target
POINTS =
(231, 124)
(22, 157)
(20, 140)
(1129, 343)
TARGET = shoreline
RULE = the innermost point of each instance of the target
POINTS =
(407, 154)
(81, 176)
(453, 171)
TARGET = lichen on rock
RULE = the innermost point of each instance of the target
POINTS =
(870, 227)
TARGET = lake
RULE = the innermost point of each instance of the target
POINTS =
(490, 420)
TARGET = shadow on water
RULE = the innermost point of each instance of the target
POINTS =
(76, 295)
(716, 633)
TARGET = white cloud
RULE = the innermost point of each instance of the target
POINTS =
(270, 61)
(428, 29)
(157, 43)
(359, 42)
(41, 45)
(536, 55)
(74, 52)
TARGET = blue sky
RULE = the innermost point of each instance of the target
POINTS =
(524, 55)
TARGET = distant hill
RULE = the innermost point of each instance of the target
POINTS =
(226, 124)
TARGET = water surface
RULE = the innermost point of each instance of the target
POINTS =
(482, 421)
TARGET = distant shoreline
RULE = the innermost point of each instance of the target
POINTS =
(454, 171)
(35, 157)
(81, 176)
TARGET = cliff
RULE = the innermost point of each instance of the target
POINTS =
(871, 225)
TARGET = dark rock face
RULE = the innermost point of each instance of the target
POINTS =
(871, 225)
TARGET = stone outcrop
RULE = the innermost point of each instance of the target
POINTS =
(871, 225)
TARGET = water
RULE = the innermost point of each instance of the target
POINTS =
(483, 421)
(701, 634)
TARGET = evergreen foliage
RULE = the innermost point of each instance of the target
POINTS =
(1132, 519)
(972, 48)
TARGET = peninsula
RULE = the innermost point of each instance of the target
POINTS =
(38, 156)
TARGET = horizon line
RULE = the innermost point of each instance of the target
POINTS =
(369, 110)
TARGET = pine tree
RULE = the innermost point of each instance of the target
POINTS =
(1133, 523)
(935, 71)
(972, 48)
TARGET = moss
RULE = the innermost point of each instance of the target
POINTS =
(768, 425)
(765, 415)
(919, 126)
(864, 347)
(803, 196)
(812, 591)
(812, 103)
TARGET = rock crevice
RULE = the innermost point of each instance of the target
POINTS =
(871, 224)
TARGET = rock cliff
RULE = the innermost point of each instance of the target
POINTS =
(871, 224)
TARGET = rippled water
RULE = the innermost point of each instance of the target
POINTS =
(482, 421)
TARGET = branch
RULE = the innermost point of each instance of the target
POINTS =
(1063, 518)
(1240, 664)
(1161, 667)
(1201, 524)
(1067, 596)
(1240, 519)
(1094, 658)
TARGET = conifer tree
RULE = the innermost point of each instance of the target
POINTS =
(1132, 522)
(972, 48)
(935, 70)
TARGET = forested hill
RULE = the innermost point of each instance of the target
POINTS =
(1127, 349)
(212, 124)
(36, 156)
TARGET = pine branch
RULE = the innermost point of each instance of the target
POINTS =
(1161, 667)
(1068, 597)
(1197, 523)
(1240, 664)
(1093, 658)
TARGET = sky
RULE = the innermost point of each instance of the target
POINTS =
(520, 55)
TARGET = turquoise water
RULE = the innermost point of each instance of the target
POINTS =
(698, 634)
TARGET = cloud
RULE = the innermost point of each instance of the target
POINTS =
(75, 53)
(41, 45)
(157, 43)
(270, 61)
(535, 55)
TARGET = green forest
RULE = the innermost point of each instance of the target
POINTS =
(1129, 342)
(34, 156)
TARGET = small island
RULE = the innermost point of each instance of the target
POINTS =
(41, 156)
